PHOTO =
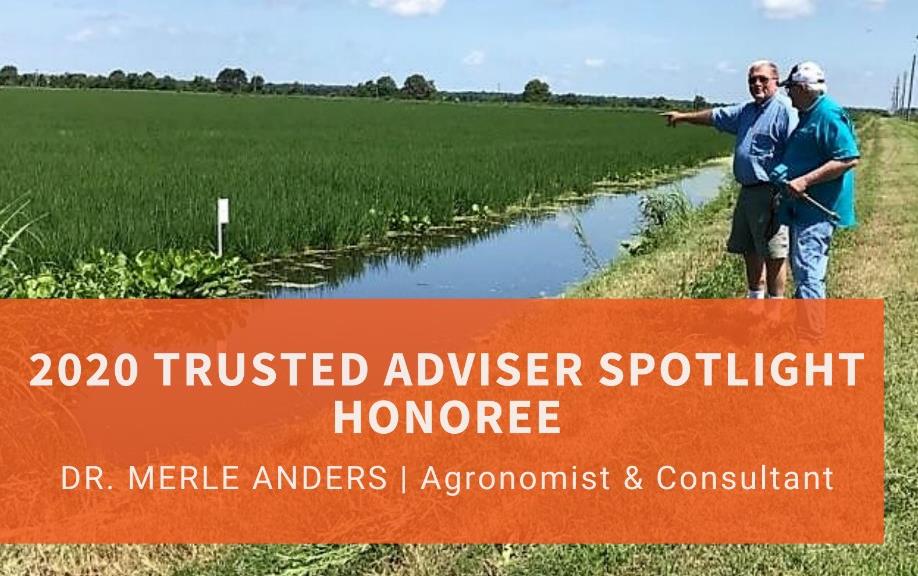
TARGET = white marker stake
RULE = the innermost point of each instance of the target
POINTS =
(222, 218)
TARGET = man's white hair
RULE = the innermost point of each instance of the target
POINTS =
(762, 64)
(816, 88)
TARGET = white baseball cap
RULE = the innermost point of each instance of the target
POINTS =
(805, 73)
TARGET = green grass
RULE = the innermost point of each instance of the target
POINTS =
(139, 171)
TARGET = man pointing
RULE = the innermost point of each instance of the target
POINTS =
(762, 128)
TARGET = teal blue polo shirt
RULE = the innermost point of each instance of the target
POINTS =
(825, 133)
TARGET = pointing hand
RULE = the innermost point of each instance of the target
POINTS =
(672, 118)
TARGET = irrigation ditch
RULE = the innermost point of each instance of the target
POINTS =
(523, 252)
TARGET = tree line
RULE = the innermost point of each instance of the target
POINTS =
(414, 87)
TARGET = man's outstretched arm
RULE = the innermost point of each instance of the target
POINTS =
(701, 118)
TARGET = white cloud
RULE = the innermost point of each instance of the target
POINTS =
(83, 35)
(99, 26)
(669, 67)
(409, 7)
(594, 62)
(106, 16)
(725, 67)
(787, 9)
(474, 58)
(876, 4)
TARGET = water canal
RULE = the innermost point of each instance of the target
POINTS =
(530, 258)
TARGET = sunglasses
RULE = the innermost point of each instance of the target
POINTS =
(761, 79)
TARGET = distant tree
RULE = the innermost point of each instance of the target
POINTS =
(76, 80)
(96, 82)
(386, 87)
(418, 88)
(148, 81)
(201, 84)
(569, 99)
(132, 82)
(9, 75)
(28, 79)
(536, 91)
(231, 80)
(367, 89)
(257, 84)
(699, 103)
(166, 83)
(117, 79)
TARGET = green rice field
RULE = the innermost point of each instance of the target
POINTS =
(134, 171)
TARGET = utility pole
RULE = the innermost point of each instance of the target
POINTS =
(911, 86)
(902, 94)
(896, 97)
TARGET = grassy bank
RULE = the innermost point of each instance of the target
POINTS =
(142, 171)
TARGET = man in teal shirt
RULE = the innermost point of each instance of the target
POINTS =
(817, 162)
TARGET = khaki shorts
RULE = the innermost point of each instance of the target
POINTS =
(752, 219)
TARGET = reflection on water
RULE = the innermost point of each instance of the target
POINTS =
(533, 257)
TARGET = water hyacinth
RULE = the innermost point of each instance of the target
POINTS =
(170, 274)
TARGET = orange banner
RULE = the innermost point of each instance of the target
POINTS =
(556, 421)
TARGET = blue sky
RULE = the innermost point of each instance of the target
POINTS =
(674, 48)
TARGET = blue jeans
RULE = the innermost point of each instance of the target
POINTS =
(810, 257)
